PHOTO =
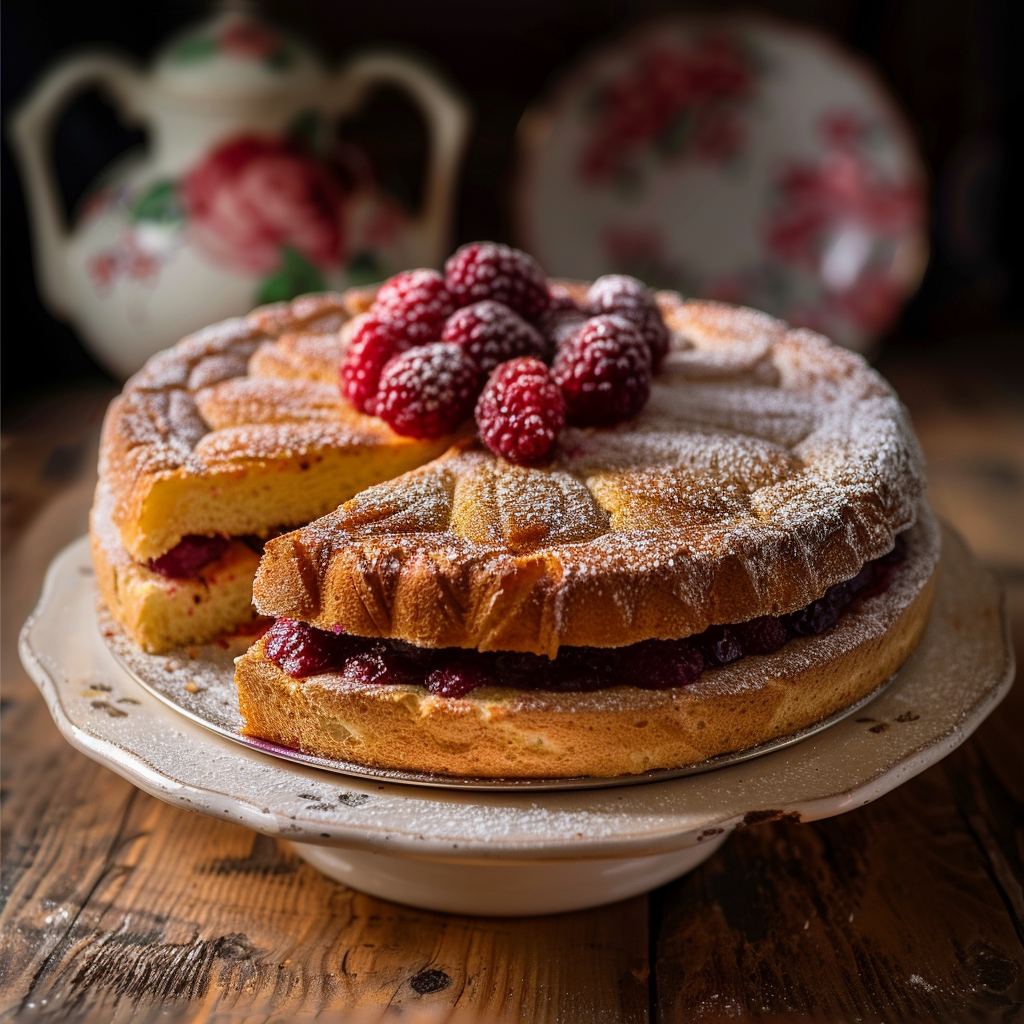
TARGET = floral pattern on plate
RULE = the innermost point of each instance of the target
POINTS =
(670, 103)
(734, 159)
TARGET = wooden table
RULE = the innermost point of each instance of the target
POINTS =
(117, 907)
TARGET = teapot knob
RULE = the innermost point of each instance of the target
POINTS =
(31, 132)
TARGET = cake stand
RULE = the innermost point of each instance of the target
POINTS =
(526, 852)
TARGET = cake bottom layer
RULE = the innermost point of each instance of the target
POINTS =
(506, 732)
(160, 613)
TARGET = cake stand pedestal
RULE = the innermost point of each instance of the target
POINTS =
(502, 888)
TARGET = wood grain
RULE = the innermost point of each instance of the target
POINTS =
(118, 907)
(889, 913)
(153, 908)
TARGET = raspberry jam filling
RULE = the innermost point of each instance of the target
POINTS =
(302, 650)
(189, 556)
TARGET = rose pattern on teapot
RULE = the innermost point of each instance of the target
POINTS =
(268, 207)
(242, 38)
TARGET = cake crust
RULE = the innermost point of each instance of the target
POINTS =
(494, 733)
(240, 428)
(768, 465)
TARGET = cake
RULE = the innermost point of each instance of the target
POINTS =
(748, 555)
(483, 524)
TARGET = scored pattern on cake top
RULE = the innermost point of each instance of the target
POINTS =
(157, 423)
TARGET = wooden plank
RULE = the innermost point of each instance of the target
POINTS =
(118, 906)
(887, 913)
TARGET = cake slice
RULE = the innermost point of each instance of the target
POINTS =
(748, 555)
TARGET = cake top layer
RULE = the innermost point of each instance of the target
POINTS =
(239, 397)
(768, 465)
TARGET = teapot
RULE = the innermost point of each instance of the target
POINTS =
(240, 197)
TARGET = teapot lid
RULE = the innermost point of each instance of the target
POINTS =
(233, 56)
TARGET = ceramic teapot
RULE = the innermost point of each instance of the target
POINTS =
(240, 198)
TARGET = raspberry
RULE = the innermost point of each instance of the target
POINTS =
(397, 670)
(581, 670)
(428, 391)
(558, 325)
(662, 664)
(521, 411)
(721, 645)
(383, 667)
(821, 615)
(302, 650)
(418, 302)
(190, 555)
(373, 343)
(491, 333)
(604, 371)
(459, 676)
(764, 635)
(632, 299)
(487, 270)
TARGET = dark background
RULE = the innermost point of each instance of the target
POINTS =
(954, 67)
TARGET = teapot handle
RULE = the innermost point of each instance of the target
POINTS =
(448, 120)
(31, 132)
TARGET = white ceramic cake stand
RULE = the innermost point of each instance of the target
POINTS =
(518, 853)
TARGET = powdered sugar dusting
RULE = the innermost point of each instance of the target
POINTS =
(243, 443)
(102, 529)
(522, 509)
(245, 400)
(257, 387)
(301, 355)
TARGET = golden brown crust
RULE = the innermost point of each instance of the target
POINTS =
(768, 465)
(240, 428)
(506, 733)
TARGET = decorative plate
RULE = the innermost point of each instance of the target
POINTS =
(519, 852)
(735, 159)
